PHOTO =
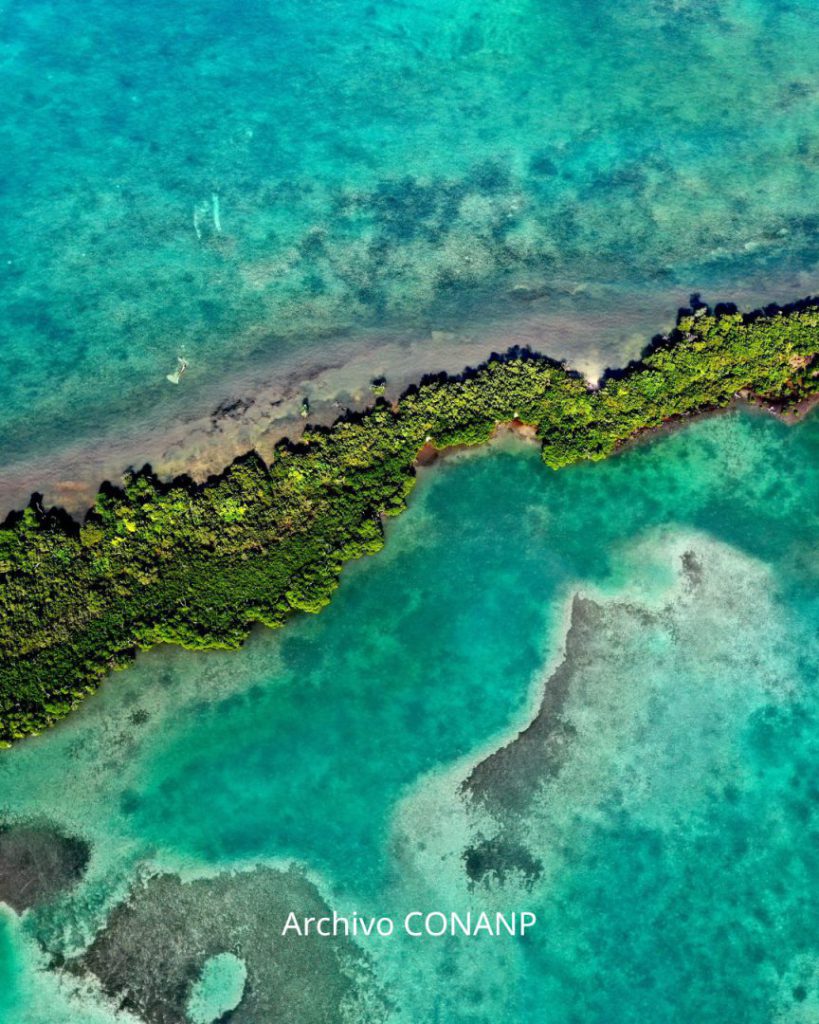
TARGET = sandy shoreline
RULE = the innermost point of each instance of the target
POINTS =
(261, 404)
(255, 408)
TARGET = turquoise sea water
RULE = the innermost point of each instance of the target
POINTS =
(255, 186)
(649, 621)
(247, 182)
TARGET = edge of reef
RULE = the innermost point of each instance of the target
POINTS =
(199, 563)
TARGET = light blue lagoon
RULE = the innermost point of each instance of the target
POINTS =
(651, 623)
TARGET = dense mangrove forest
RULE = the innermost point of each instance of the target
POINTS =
(198, 564)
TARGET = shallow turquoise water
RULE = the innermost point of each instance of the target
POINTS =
(249, 181)
(664, 830)
(218, 990)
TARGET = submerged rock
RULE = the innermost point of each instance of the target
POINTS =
(500, 859)
(152, 954)
(37, 863)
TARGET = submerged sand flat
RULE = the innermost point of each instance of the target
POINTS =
(297, 197)
(548, 691)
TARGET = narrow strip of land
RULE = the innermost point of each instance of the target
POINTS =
(197, 565)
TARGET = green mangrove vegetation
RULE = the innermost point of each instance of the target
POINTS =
(198, 564)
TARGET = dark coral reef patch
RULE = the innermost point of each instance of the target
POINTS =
(37, 863)
(141, 963)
